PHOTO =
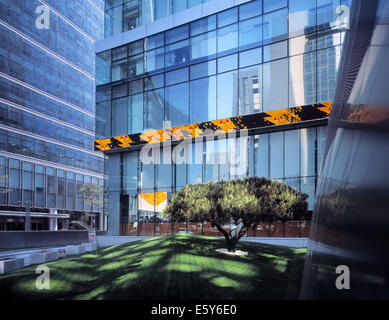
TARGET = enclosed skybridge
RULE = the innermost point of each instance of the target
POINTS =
(282, 119)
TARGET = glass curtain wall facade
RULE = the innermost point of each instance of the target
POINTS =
(256, 57)
(47, 110)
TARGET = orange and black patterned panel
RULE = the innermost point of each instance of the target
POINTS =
(252, 121)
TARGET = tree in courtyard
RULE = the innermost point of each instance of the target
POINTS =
(245, 202)
(92, 194)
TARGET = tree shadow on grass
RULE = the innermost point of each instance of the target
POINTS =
(176, 266)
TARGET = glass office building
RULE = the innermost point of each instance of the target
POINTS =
(175, 65)
(47, 111)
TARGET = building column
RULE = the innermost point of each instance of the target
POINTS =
(53, 222)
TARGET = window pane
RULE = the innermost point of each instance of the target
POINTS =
(119, 117)
(51, 187)
(203, 69)
(177, 76)
(250, 90)
(327, 68)
(178, 5)
(227, 40)
(302, 79)
(227, 17)
(39, 186)
(130, 171)
(61, 189)
(203, 25)
(203, 100)
(28, 182)
(177, 34)
(275, 85)
(160, 9)
(270, 5)
(275, 26)
(119, 53)
(302, 17)
(103, 67)
(135, 86)
(328, 38)
(177, 54)
(70, 190)
(177, 104)
(135, 66)
(326, 13)
(154, 82)
(308, 187)
(155, 61)
(203, 46)
(119, 70)
(14, 182)
(292, 153)
(251, 9)
(307, 142)
(227, 93)
(302, 44)
(276, 155)
(154, 41)
(130, 15)
(79, 184)
(249, 33)
(153, 109)
(275, 51)
(164, 169)
(262, 156)
(227, 63)
(250, 57)
(135, 113)
(195, 168)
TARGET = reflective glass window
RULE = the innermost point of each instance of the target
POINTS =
(292, 153)
(28, 182)
(227, 94)
(227, 63)
(251, 9)
(61, 189)
(39, 186)
(177, 34)
(276, 155)
(327, 68)
(135, 66)
(177, 104)
(203, 100)
(227, 17)
(51, 183)
(275, 51)
(227, 39)
(178, 5)
(135, 113)
(155, 60)
(302, 79)
(155, 41)
(203, 46)
(275, 26)
(177, 76)
(249, 33)
(154, 82)
(250, 90)
(130, 170)
(275, 85)
(203, 25)
(270, 5)
(326, 14)
(302, 44)
(302, 17)
(203, 69)
(119, 70)
(262, 155)
(250, 57)
(154, 105)
(177, 54)
(307, 158)
(119, 117)
(79, 185)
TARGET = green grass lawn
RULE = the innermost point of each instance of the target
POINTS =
(178, 266)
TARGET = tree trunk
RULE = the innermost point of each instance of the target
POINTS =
(232, 241)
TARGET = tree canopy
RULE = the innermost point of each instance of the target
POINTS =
(244, 202)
